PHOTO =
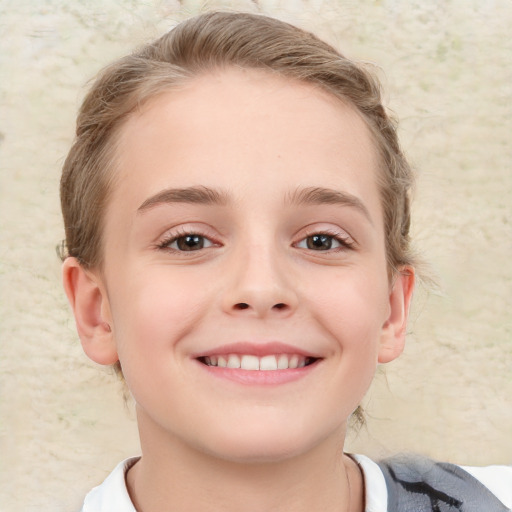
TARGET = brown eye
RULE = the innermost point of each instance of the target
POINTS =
(188, 243)
(319, 242)
(325, 242)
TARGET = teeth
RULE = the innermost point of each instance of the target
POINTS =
(268, 363)
(233, 361)
(282, 362)
(294, 362)
(251, 362)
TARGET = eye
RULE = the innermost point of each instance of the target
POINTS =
(187, 243)
(324, 242)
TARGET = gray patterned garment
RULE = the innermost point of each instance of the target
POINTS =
(419, 484)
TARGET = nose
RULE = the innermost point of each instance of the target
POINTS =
(259, 286)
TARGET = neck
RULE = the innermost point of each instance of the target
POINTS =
(172, 476)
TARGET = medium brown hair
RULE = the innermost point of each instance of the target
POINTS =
(204, 43)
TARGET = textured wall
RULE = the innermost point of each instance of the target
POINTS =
(447, 73)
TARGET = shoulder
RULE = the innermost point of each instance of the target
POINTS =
(422, 484)
(112, 494)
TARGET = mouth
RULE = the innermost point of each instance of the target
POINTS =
(251, 362)
(258, 364)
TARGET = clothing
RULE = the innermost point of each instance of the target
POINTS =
(399, 484)
(422, 485)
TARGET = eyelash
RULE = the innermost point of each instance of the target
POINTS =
(182, 233)
(345, 241)
(342, 238)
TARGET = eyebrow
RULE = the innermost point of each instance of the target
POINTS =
(210, 196)
(320, 195)
(194, 195)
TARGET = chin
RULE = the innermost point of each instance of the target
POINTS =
(263, 444)
(257, 453)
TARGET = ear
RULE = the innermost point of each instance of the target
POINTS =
(89, 302)
(394, 329)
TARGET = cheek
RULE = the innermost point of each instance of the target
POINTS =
(353, 310)
(155, 310)
(150, 320)
(353, 305)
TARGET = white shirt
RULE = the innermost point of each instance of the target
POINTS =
(112, 495)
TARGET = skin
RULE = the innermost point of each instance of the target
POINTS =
(260, 146)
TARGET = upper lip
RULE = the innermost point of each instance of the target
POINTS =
(256, 349)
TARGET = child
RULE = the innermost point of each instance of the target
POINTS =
(237, 216)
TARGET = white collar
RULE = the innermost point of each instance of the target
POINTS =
(112, 495)
(375, 489)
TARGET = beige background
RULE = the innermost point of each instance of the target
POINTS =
(447, 74)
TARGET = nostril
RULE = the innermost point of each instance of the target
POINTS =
(244, 305)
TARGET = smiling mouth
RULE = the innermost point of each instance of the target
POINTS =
(251, 362)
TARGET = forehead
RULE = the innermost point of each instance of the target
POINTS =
(245, 129)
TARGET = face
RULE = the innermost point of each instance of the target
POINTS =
(245, 281)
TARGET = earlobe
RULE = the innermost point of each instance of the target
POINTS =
(90, 306)
(394, 329)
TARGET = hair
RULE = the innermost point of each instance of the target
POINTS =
(207, 43)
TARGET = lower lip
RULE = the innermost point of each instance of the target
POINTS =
(260, 377)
